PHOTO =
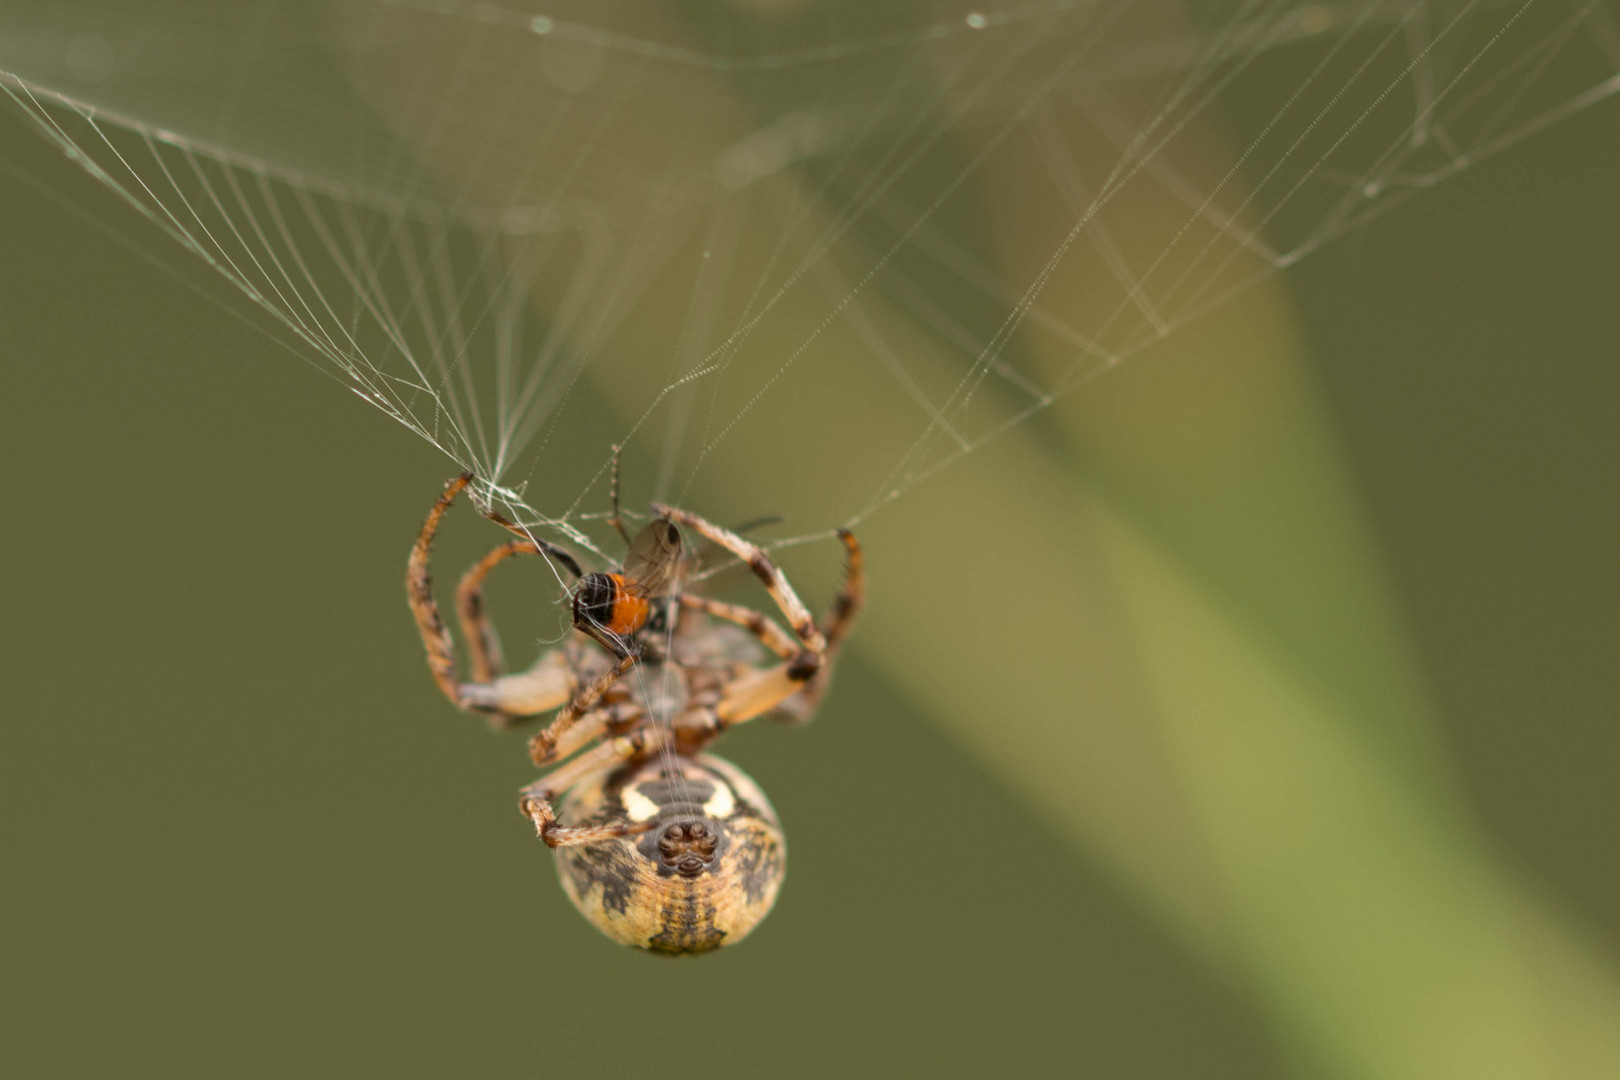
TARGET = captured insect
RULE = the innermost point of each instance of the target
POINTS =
(658, 844)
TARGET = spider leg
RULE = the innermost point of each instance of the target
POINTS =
(537, 797)
(513, 698)
(545, 746)
(782, 686)
(419, 589)
(836, 625)
(798, 616)
(482, 641)
(773, 636)
(851, 598)
(606, 719)
(760, 692)
(561, 554)
(545, 686)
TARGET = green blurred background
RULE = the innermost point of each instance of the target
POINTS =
(1347, 572)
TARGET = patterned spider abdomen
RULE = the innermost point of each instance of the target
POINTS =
(703, 873)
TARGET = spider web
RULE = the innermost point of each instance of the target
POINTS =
(912, 229)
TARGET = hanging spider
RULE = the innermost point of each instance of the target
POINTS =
(658, 844)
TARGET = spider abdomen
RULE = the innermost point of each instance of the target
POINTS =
(703, 868)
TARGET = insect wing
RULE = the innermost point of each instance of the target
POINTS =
(655, 554)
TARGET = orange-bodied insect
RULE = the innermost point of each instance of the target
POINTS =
(613, 607)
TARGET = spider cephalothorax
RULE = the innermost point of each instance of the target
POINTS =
(659, 844)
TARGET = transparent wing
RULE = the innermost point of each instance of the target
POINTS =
(654, 555)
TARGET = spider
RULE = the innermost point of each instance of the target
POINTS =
(658, 844)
